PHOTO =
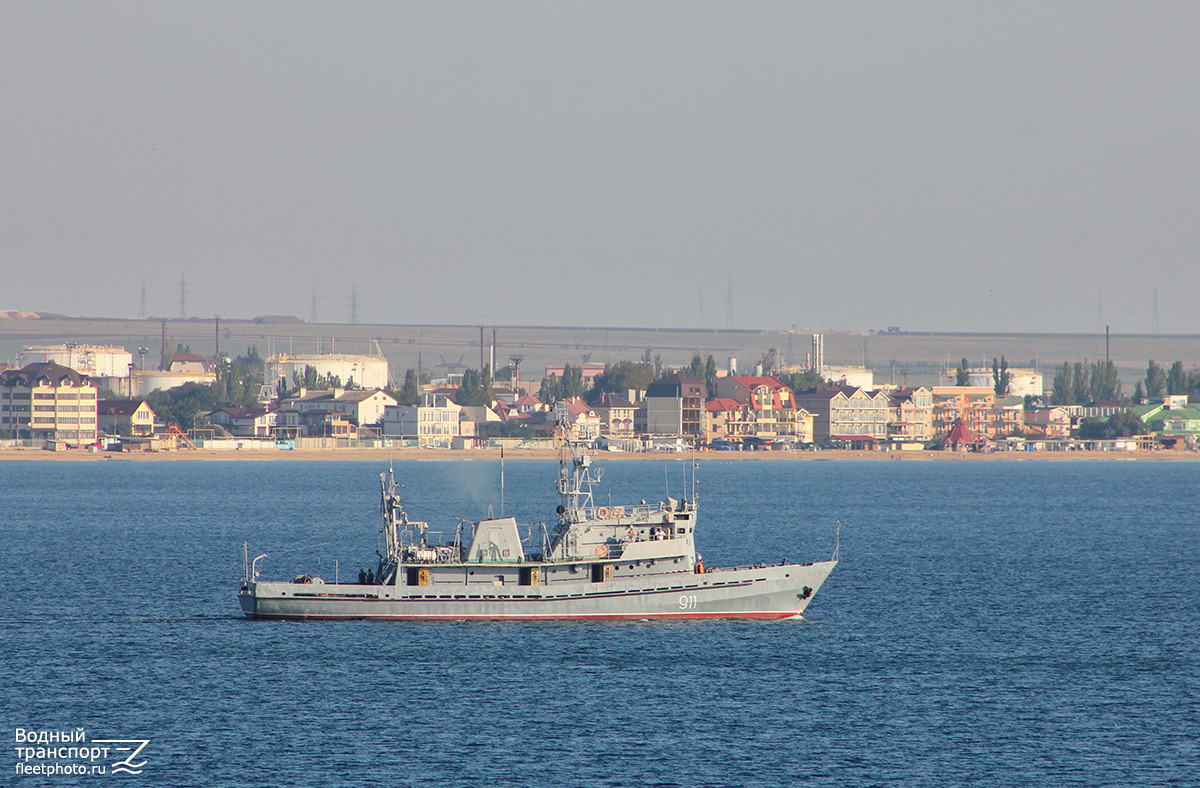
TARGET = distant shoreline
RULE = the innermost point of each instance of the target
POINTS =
(383, 455)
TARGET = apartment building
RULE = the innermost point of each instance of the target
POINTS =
(48, 402)
(849, 414)
(616, 415)
(434, 422)
(675, 406)
(912, 416)
(771, 410)
(979, 409)
(723, 419)
(582, 422)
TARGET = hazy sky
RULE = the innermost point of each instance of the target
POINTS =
(935, 166)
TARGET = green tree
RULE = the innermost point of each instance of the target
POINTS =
(1061, 393)
(801, 382)
(315, 381)
(572, 382)
(1156, 380)
(1079, 383)
(1177, 379)
(476, 387)
(621, 377)
(410, 393)
(1139, 395)
(1105, 383)
(183, 405)
(548, 392)
(1000, 376)
(240, 379)
(961, 375)
(1119, 425)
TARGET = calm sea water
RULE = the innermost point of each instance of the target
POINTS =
(998, 624)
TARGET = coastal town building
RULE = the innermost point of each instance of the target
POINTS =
(1048, 422)
(113, 414)
(985, 414)
(845, 413)
(257, 422)
(192, 363)
(616, 415)
(972, 404)
(582, 422)
(1103, 409)
(528, 403)
(1176, 422)
(912, 416)
(675, 406)
(360, 406)
(722, 417)
(1009, 417)
(48, 402)
(770, 408)
(434, 423)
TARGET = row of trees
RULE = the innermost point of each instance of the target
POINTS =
(1172, 381)
(314, 381)
(1081, 382)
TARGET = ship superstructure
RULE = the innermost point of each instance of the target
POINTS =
(597, 562)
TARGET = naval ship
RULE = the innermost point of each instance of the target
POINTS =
(598, 562)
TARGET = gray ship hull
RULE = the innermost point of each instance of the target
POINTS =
(768, 592)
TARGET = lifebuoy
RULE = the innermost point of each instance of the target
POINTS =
(616, 512)
(601, 550)
(602, 513)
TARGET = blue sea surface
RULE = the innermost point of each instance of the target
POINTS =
(990, 623)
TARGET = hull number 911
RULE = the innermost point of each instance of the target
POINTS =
(687, 602)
